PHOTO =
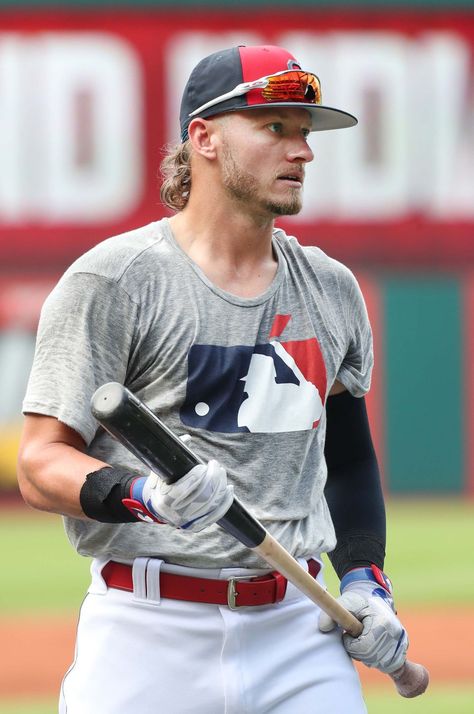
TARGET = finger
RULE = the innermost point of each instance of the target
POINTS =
(326, 623)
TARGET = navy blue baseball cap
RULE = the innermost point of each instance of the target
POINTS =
(255, 77)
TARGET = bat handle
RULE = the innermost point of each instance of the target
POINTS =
(410, 680)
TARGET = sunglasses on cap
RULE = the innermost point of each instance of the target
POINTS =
(287, 86)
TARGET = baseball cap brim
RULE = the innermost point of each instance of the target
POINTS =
(322, 118)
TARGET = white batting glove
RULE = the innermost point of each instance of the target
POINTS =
(383, 643)
(200, 498)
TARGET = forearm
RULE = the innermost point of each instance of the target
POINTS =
(360, 524)
(52, 472)
(353, 491)
(55, 474)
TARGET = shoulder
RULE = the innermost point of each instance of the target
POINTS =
(113, 257)
(124, 264)
(315, 260)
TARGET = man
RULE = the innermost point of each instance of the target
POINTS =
(261, 351)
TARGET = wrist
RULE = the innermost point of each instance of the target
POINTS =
(136, 488)
(357, 549)
(372, 577)
(114, 494)
(135, 502)
(102, 494)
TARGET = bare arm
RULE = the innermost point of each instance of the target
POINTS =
(53, 465)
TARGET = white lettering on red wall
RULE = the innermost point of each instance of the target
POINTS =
(71, 127)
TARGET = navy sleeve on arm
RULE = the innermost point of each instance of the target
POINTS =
(353, 490)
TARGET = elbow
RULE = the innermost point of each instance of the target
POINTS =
(28, 475)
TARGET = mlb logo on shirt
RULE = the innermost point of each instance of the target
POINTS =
(272, 387)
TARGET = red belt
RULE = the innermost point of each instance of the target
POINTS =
(239, 591)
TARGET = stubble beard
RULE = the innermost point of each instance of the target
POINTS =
(244, 187)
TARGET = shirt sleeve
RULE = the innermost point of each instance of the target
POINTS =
(356, 369)
(85, 337)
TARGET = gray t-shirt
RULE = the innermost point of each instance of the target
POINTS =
(247, 378)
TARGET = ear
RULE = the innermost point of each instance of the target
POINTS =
(202, 135)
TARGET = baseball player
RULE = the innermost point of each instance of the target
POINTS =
(258, 349)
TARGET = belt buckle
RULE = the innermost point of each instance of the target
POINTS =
(232, 592)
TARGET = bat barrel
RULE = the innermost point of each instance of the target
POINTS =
(131, 422)
(240, 524)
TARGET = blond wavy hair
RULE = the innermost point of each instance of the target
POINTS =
(176, 174)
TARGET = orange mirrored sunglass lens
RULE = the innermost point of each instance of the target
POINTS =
(293, 87)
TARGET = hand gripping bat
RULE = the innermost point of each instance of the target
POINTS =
(133, 424)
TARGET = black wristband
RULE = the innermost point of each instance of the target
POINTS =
(102, 493)
(357, 550)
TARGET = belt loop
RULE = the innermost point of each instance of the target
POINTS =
(153, 594)
(139, 569)
(98, 585)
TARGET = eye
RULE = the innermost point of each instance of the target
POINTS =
(306, 132)
(276, 127)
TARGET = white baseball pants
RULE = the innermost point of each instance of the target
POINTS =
(152, 656)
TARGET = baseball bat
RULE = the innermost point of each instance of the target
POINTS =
(134, 425)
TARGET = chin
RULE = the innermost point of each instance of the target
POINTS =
(286, 205)
(291, 208)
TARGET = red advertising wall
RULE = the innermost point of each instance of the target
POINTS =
(87, 100)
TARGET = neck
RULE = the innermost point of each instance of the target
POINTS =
(232, 247)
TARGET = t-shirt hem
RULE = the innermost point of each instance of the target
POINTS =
(355, 388)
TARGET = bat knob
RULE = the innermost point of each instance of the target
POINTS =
(411, 680)
(107, 399)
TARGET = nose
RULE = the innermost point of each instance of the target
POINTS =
(300, 151)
